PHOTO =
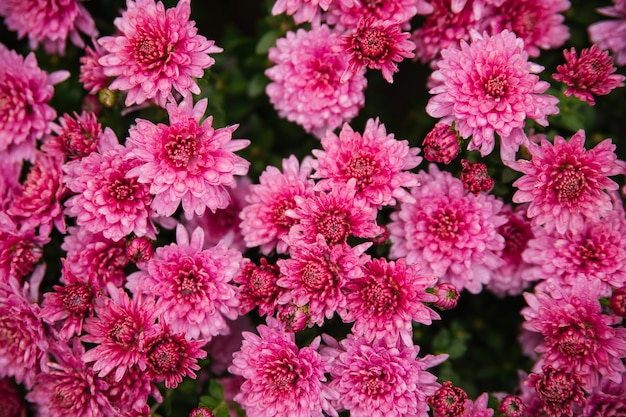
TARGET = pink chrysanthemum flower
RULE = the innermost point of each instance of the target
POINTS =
(578, 337)
(373, 379)
(49, 23)
(453, 233)
(539, 23)
(106, 201)
(187, 162)
(315, 276)
(258, 288)
(478, 408)
(129, 396)
(263, 221)
(588, 75)
(347, 14)
(559, 391)
(566, 184)
(611, 34)
(302, 10)
(157, 51)
(119, 332)
(12, 402)
(92, 74)
(380, 163)
(281, 379)
(20, 249)
(307, 86)
(387, 298)
(488, 87)
(607, 399)
(25, 115)
(192, 286)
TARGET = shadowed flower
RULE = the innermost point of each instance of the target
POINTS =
(611, 34)
(258, 288)
(20, 249)
(302, 10)
(558, 390)
(12, 401)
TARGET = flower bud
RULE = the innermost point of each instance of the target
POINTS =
(441, 144)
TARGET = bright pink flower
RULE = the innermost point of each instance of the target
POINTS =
(20, 249)
(611, 34)
(263, 221)
(106, 201)
(192, 286)
(12, 401)
(258, 288)
(157, 51)
(25, 91)
(280, 378)
(447, 296)
(373, 379)
(379, 162)
(589, 74)
(558, 390)
(566, 184)
(478, 408)
(386, 299)
(347, 14)
(453, 233)
(307, 86)
(187, 162)
(92, 74)
(49, 23)
(315, 276)
(441, 144)
(607, 399)
(488, 87)
(9, 182)
(130, 395)
(293, 318)
(302, 10)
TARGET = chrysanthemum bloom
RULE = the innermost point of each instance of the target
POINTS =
(607, 399)
(192, 286)
(578, 337)
(307, 86)
(512, 406)
(448, 401)
(441, 144)
(201, 412)
(566, 184)
(345, 14)
(187, 162)
(302, 10)
(106, 201)
(452, 233)
(258, 288)
(24, 342)
(263, 221)
(488, 87)
(378, 162)
(373, 379)
(386, 300)
(9, 182)
(170, 357)
(475, 177)
(158, 50)
(92, 74)
(335, 215)
(25, 115)
(92, 255)
(478, 408)
(20, 249)
(130, 395)
(49, 23)
(558, 389)
(618, 301)
(12, 401)
(281, 379)
(588, 75)
(315, 276)
(611, 34)
(538, 23)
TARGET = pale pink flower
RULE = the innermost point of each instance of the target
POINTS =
(192, 286)
(13, 404)
(380, 163)
(258, 288)
(347, 14)
(187, 162)
(611, 34)
(566, 184)
(157, 51)
(49, 23)
(306, 81)
(478, 408)
(25, 91)
(302, 10)
(20, 249)
(280, 378)
(453, 233)
(386, 300)
(106, 201)
(488, 87)
(263, 220)
(373, 379)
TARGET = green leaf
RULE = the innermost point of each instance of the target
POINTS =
(216, 390)
(266, 42)
(208, 402)
(222, 411)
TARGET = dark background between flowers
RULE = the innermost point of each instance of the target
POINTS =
(480, 335)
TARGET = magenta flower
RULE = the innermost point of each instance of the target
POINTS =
(264, 222)
(373, 379)
(20, 249)
(92, 74)
(280, 378)
(307, 86)
(488, 87)
(559, 391)
(25, 116)
(258, 288)
(608, 398)
(187, 162)
(448, 401)
(566, 184)
(192, 286)
(386, 299)
(452, 233)
(441, 144)
(611, 34)
(157, 51)
(130, 395)
(378, 162)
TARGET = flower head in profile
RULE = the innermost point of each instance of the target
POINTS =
(156, 52)
(611, 34)
(488, 86)
(258, 288)
(92, 74)
(566, 184)
(302, 10)
(378, 162)
(306, 81)
(20, 249)
(188, 162)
